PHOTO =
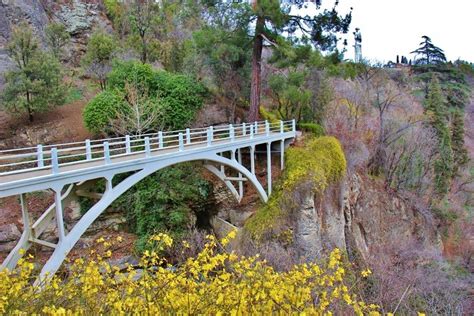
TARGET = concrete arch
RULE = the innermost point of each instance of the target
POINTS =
(112, 193)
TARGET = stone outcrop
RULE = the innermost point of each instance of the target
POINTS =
(358, 216)
(80, 17)
(9, 235)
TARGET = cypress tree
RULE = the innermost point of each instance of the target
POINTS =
(457, 138)
(443, 166)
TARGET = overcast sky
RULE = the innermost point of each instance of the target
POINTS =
(392, 27)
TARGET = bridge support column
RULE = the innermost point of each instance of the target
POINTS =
(59, 214)
(282, 155)
(24, 243)
(241, 183)
(252, 159)
(222, 166)
(269, 168)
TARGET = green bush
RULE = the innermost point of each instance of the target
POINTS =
(177, 96)
(100, 110)
(313, 128)
(181, 98)
(167, 201)
(133, 72)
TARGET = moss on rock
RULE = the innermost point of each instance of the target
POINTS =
(319, 162)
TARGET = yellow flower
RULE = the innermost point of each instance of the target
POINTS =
(365, 273)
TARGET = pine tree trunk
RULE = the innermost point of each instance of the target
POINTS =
(256, 71)
(28, 108)
(144, 48)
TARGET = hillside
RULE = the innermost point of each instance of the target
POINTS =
(372, 212)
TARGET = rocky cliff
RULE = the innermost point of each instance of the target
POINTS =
(360, 216)
(79, 17)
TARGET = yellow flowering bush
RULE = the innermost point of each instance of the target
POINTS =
(320, 161)
(211, 283)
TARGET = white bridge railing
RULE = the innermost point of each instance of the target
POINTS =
(51, 157)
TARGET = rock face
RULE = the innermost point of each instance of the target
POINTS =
(9, 235)
(320, 223)
(79, 17)
(357, 216)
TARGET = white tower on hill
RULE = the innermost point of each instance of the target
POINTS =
(358, 46)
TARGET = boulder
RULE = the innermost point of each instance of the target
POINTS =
(9, 232)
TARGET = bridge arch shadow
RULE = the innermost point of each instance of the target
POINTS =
(113, 192)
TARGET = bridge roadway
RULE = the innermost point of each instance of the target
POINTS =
(71, 169)
(43, 176)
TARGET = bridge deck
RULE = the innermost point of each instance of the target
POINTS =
(34, 163)
(74, 166)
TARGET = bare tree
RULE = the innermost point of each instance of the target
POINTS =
(409, 159)
(385, 95)
(141, 114)
(142, 14)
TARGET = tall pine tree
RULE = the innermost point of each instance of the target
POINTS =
(35, 85)
(435, 110)
(457, 138)
(273, 18)
(429, 53)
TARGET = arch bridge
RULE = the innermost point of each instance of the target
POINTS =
(70, 169)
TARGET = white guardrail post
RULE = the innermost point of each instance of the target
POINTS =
(231, 132)
(244, 129)
(88, 149)
(147, 147)
(282, 129)
(39, 156)
(188, 136)
(180, 142)
(210, 135)
(106, 153)
(294, 125)
(54, 160)
(251, 131)
(127, 144)
(160, 139)
(267, 128)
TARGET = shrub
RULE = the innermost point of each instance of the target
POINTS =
(181, 98)
(168, 200)
(269, 115)
(211, 283)
(320, 162)
(132, 72)
(313, 128)
(176, 97)
(100, 110)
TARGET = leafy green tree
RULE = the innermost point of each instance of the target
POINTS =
(218, 57)
(443, 165)
(460, 153)
(101, 50)
(265, 21)
(165, 100)
(170, 200)
(291, 96)
(273, 19)
(429, 53)
(36, 83)
(142, 14)
(101, 110)
(453, 82)
(57, 37)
